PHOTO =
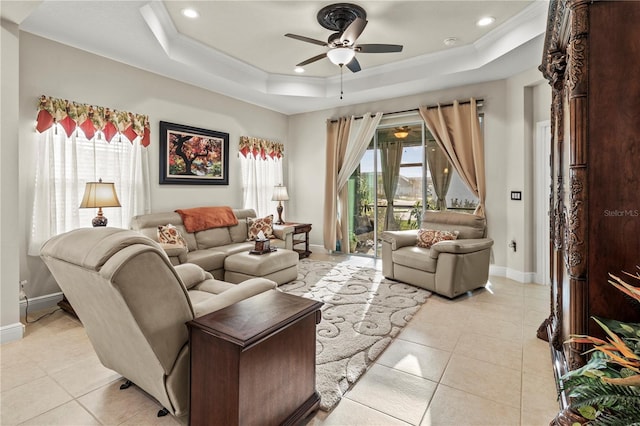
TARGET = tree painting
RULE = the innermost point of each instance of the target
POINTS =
(195, 155)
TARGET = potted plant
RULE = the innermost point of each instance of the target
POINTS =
(606, 390)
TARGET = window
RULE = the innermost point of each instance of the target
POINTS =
(66, 164)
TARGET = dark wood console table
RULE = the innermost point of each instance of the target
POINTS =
(254, 362)
(299, 229)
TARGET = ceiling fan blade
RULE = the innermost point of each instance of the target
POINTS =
(310, 60)
(378, 48)
(307, 39)
(354, 65)
(353, 31)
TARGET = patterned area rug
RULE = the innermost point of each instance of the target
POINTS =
(362, 313)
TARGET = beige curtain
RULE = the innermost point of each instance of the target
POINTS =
(344, 152)
(390, 158)
(337, 139)
(456, 129)
(440, 170)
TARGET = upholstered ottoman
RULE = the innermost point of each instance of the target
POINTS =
(280, 266)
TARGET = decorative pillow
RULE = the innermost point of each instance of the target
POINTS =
(169, 234)
(255, 225)
(428, 237)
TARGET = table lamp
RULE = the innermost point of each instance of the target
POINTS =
(99, 194)
(280, 194)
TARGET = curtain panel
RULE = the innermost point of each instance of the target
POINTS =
(261, 168)
(345, 149)
(64, 164)
(92, 119)
(456, 129)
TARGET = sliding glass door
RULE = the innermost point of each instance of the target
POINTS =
(402, 173)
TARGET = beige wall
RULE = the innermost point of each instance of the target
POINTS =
(9, 234)
(53, 69)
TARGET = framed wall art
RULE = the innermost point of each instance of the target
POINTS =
(193, 156)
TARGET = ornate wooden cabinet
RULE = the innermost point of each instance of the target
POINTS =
(592, 61)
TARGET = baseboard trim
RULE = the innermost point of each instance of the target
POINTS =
(39, 303)
(512, 274)
(11, 332)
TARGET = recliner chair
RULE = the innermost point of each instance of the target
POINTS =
(449, 268)
(134, 305)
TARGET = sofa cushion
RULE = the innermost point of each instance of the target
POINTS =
(468, 225)
(208, 259)
(170, 235)
(213, 238)
(256, 225)
(234, 248)
(415, 257)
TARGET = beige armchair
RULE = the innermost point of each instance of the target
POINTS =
(449, 268)
(134, 305)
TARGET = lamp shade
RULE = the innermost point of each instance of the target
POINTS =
(280, 193)
(100, 194)
(341, 55)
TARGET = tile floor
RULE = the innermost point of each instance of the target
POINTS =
(471, 361)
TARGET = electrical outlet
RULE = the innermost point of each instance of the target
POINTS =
(23, 295)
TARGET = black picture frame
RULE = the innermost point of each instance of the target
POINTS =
(193, 156)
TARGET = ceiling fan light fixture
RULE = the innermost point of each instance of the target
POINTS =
(341, 55)
(401, 134)
(299, 70)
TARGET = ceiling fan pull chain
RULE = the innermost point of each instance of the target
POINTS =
(341, 69)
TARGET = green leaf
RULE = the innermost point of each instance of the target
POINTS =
(588, 412)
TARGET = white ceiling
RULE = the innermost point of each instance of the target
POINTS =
(238, 48)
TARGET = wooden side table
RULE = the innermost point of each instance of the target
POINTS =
(299, 229)
(254, 362)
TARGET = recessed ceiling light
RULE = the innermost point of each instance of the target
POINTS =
(190, 13)
(450, 41)
(299, 70)
(487, 20)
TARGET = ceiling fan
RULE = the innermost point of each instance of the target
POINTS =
(348, 20)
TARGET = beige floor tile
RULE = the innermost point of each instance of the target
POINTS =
(110, 405)
(67, 414)
(436, 336)
(536, 357)
(150, 418)
(419, 360)
(505, 286)
(84, 376)
(490, 349)
(500, 298)
(31, 399)
(537, 291)
(353, 414)
(538, 417)
(454, 407)
(513, 314)
(539, 393)
(18, 372)
(393, 392)
(484, 379)
(533, 316)
(480, 323)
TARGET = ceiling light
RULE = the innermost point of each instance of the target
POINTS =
(299, 70)
(487, 20)
(401, 134)
(190, 13)
(341, 55)
(450, 41)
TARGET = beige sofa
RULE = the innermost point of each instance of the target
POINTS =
(449, 268)
(209, 248)
(134, 304)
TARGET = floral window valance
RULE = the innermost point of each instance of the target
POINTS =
(91, 119)
(260, 148)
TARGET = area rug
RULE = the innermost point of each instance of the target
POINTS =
(362, 313)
